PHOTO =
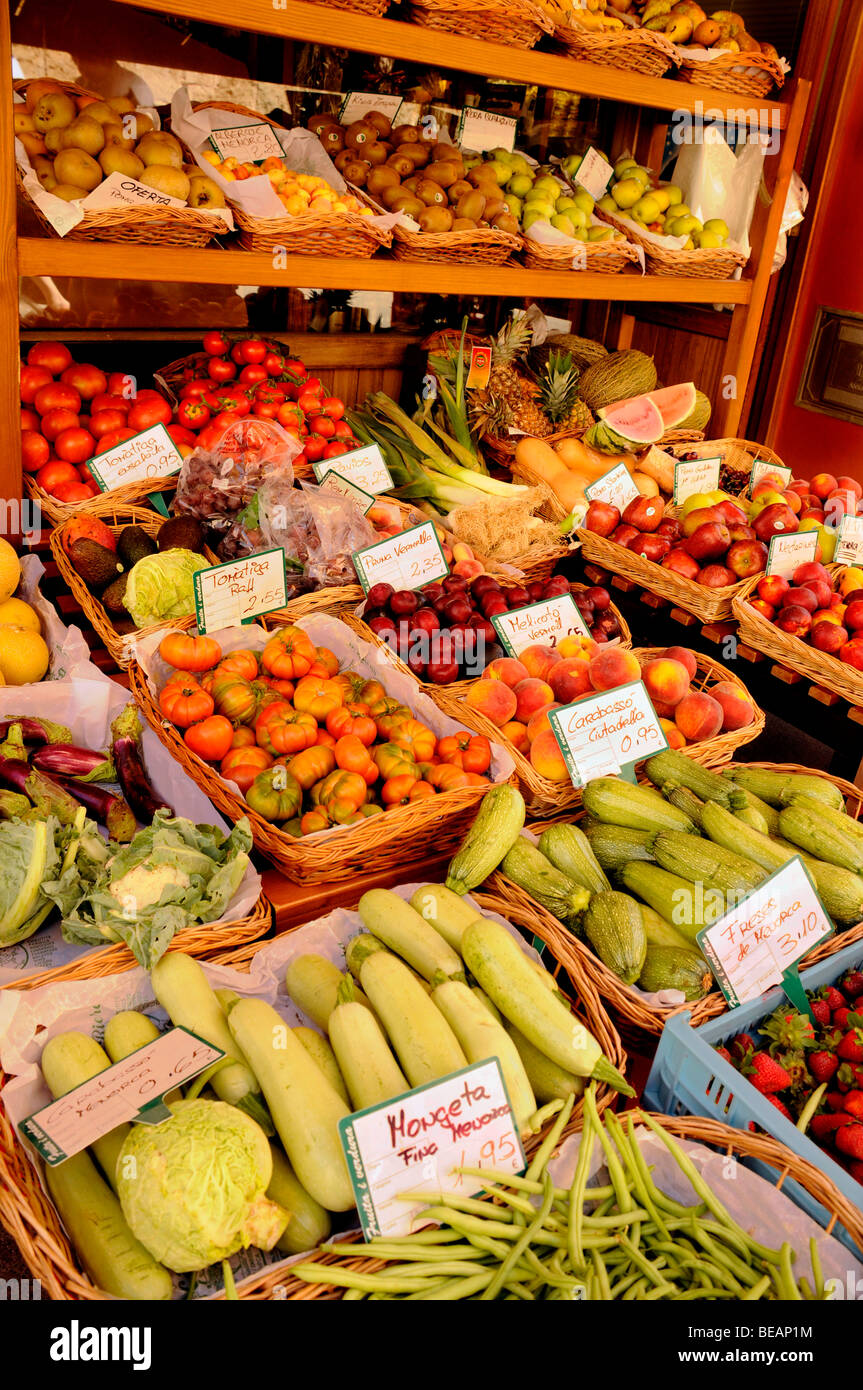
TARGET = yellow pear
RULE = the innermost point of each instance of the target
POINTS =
(167, 179)
(121, 104)
(52, 140)
(53, 110)
(33, 142)
(22, 120)
(83, 134)
(115, 160)
(44, 171)
(100, 111)
(78, 168)
(69, 192)
(137, 125)
(38, 89)
(204, 193)
(160, 148)
(115, 135)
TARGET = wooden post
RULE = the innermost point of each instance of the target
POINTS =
(10, 413)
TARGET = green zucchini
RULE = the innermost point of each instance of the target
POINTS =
(568, 849)
(616, 845)
(359, 948)
(487, 1004)
(68, 1060)
(553, 890)
(703, 861)
(313, 983)
(640, 808)
(778, 787)
(419, 1034)
(404, 931)
(614, 928)
(227, 999)
(750, 815)
(481, 1037)
(680, 902)
(668, 967)
(321, 1052)
(309, 1223)
(499, 821)
(684, 800)
(678, 768)
(126, 1031)
(659, 932)
(822, 832)
(370, 1070)
(548, 1080)
(742, 800)
(448, 913)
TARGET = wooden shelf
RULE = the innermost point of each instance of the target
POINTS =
(364, 34)
(98, 260)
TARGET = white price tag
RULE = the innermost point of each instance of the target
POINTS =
(407, 561)
(615, 487)
(485, 130)
(120, 1093)
(414, 1142)
(761, 468)
(121, 190)
(334, 482)
(849, 542)
(695, 475)
(593, 174)
(546, 622)
(357, 105)
(785, 553)
(611, 730)
(252, 143)
(241, 590)
(757, 940)
(150, 454)
(365, 467)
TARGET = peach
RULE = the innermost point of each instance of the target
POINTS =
(517, 735)
(685, 657)
(547, 759)
(577, 645)
(506, 669)
(822, 485)
(852, 483)
(468, 569)
(672, 733)
(530, 696)
(738, 708)
(698, 716)
(493, 699)
(667, 681)
(539, 660)
(462, 551)
(612, 667)
(570, 678)
(539, 720)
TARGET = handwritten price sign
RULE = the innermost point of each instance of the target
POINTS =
(365, 467)
(121, 1093)
(785, 553)
(546, 622)
(614, 487)
(593, 173)
(414, 1142)
(254, 143)
(695, 475)
(849, 542)
(407, 561)
(485, 130)
(757, 942)
(357, 105)
(241, 590)
(761, 468)
(150, 454)
(607, 732)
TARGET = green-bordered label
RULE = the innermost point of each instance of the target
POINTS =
(407, 561)
(608, 732)
(240, 590)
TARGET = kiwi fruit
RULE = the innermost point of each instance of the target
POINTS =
(430, 193)
(436, 219)
(344, 157)
(463, 224)
(380, 179)
(404, 135)
(471, 205)
(360, 133)
(381, 123)
(319, 123)
(458, 189)
(389, 194)
(407, 203)
(505, 222)
(356, 171)
(133, 544)
(333, 139)
(376, 153)
(418, 153)
(403, 166)
(181, 533)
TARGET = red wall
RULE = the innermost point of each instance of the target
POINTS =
(808, 441)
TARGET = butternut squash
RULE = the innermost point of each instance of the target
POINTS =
(587, 462)
(647, 486)
(659, 465)
(539, 458)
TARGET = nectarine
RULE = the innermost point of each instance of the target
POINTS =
(612, 667)
(738, 709)
(547, 759)
(698, 716)
(530, 696)
(494, 699)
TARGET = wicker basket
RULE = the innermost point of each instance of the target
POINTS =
(823, 668)
(140, 224)
(737, 457)
(479, 246)
(544, 798)
(759, 1148)
(629, 50)
(709, 605)
(120, 645)
(117, 499)
(599, 257)
(717, 264)
(515, 23)
(748, 74)
(31, 1219)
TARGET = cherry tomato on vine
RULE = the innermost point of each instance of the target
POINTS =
(215, 343)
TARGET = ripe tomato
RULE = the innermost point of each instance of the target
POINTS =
(314, 447)
(122, 384)
(264, 410)
(32, 380)
(225, 419)
(56, 396)
(274, 363)
(192, 414)
(322, 424)
(295, 368)
(75, 445)
(55, 473)
(211, 738)
(332, 406)
(344, 431)
(299, 460)
(210, 436)
(309, 402)
(237, 356)
(253, 350)
(105, 401)
(110, 441)
(219, 369)
(215, 343)
(75, 492)
(87, 380)
(252, 374)
(145, 413)
(105, 421)
(54, 357)
(30, 421)
(233, 399)
(55, 421)
(335, 448)
(194, 390)
(271, 394)
(35, 450)
(181, 435)
(289, 412)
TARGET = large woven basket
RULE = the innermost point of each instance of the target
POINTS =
(702, 264)
(515, 23)
(544, 798)
(823, 668)
(143, 225)
(749, 74)
(709, 605)
(737, 455)
(629, 50)
(118, 498)
(120, 644)
(480, 245)
(32, 1221)
(760, 1149)
(628, 1007)
(599, 257)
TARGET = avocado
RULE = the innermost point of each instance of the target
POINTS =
(133, 544)
(113, 596)
(181, 533)
(94, 563)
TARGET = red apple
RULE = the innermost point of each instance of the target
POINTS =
(741, 532)
(730, 513)
(763, 607)
(828, 637)
(839, 504)
(599, 597)
(701, 516)
(746, 558)
(854, 617)
(717, 577)
(709, 541)
(624, 534)
(772, 587)
(601, 518)
(650, 546)
(644, 512)
(776, 520)
(669, 526)
(679, 562)
(805, 598)
(812, 514)
(795, 620)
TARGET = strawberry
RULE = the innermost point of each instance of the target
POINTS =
(766, 1074)
(849, 1077)
(822, 1126)
(841, 1016)
(849, 1140)
(835, 1100)
(850, 1048)
(742, 1044)
(795, 1065)
(780, 1106)
(724, 1054)
(821, 1012)
(852, 983)
(854, 1104)
(788, 1030)
(832, 998)
(823, 1065)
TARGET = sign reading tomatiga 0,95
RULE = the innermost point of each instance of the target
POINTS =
(607, 732)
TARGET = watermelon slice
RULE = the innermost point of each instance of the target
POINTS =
(674, 403)
(638, 421)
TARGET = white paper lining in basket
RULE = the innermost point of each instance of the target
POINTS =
(70, 655)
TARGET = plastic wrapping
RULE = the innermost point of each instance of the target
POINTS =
(215, 485)
(320, 529)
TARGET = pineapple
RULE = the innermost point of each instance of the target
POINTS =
(558, 396)
(512, 391)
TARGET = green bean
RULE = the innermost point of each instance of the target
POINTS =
(349, 1278)
(757, 1291)
(624, 1283)
(811, 1107)
(456, 1289)
(543, 1115)
(524, 1239)
(548, 1145)
(649, 1269)
(637, 1291)
(615, 1169)
(786, 1257)
(576, 1194)
(602, 1279)
(817, 1271)
(642, 1180)
(516, 1291)
(471, 1205)
(617, 1218)
(807, 1290)
(391, 1250)
(353, 1295)
(724, 1257)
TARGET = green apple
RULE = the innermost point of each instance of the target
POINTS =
(600, 234)
(584, 200)
(718, 227)
(549, 185)
(520, 165)
(535, 215)
(675, 194)
(647, 209)
(563, 224)
(502, 172)
(519, 185)
(571, 164)
(565, 202)
(536, 195)
(623, 165)
(826, 537)
(501, 155)
(661, 196)
(683, 226)
(643, 175)
(706, 241)
(607, 204)
(627, 192)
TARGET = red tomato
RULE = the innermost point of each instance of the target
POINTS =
(122, 384)
(314, 447)
(110, 441)
(344, 431)
(253, 350)
(87, 380)
(30, 421)
(295, 368)
(219, 369)
(224, 419)
(215, 343)
(54, 357)
(106, 421)
(145, 413)
(314, 383)
(75, 445)
(237, 356)
(106, 401)
(56, 396)
(210, 436)
(194, 390)
(252, 374)
(192, 414)
(299, 460)
(332, 406)
(35, 450)
(55, 421)
(75, 492)
(335, 448)
(233, 399)
(32, 380)
(322, 424)
(55, 473)
(147, 394)
(265, 411)
(181, 435)
(271, 394)
(274, 363)
(289, 412)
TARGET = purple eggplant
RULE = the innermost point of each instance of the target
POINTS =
(49, 798)
(68, 760)
(111, 811)
(126, 752)
(37, 730)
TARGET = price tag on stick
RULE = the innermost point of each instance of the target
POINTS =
(151, 453)
(357, 105)
(761, 468)
(334, 482)
(241, 590)
(614, 487)
(593, 174)
(849, 542)
(546, 622)
(414, 1142)
(485, 130)
(695, 475)
(365, 467)
(607, 732)
(407, 561)
(754, 945)
(786, 552)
